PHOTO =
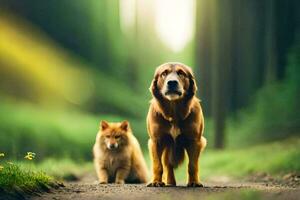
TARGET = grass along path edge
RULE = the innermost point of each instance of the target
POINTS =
(19, 182)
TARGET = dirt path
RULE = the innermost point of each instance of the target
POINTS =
(88, 189)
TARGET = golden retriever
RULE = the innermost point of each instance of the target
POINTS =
(175, 124)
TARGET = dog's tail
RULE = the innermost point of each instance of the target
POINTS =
(174, 153)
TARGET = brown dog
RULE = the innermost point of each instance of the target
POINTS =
(118, 157)
(175, 124)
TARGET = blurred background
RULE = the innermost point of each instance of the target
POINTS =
(65, 65)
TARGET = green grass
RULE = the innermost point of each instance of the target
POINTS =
(61, 169)
(17, 181)
(276, 158)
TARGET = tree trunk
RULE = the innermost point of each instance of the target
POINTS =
(221, 68)
(203, 52)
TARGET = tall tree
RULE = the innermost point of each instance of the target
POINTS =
(237, 52)
(203, 52)
(270, 42)
(214, 59)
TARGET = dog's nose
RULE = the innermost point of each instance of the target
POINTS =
(111, 146)
(172, 84)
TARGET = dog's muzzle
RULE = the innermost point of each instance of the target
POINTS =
(112, 146)
(173, 88)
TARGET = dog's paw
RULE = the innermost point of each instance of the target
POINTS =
(120, 182)
(194, 184)
(102, 182)
(156, 184)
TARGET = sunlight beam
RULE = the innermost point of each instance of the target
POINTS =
(174, 21)
(127, 15)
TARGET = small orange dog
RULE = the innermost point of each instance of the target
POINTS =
(175, 124)
(117, 155)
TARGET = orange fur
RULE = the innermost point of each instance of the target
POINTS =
(124, 163)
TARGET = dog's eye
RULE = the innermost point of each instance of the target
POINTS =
(117, 136)
(164, 74)
(107, 136)
(180, 73)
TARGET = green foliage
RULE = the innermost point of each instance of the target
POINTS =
(52, 133)
(49, 133)
(113, 96)
(274, 113)
(15, 181)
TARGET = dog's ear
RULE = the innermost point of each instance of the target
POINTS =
(124, 125)
(103, 125)
(193, 86)
(153, 87)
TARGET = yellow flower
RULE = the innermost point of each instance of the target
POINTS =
(1, 167)
(30, 156)
(2, 154)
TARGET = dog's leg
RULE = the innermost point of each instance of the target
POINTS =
(157, 168)
(140, 170)
(170, 177)
(122, 174)
(193, 151)
(102, 176)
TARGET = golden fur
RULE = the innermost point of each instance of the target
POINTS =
(117, 155)
(175, 125)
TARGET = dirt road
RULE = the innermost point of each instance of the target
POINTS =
(90, 189)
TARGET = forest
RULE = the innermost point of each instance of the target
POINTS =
(67, 65)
